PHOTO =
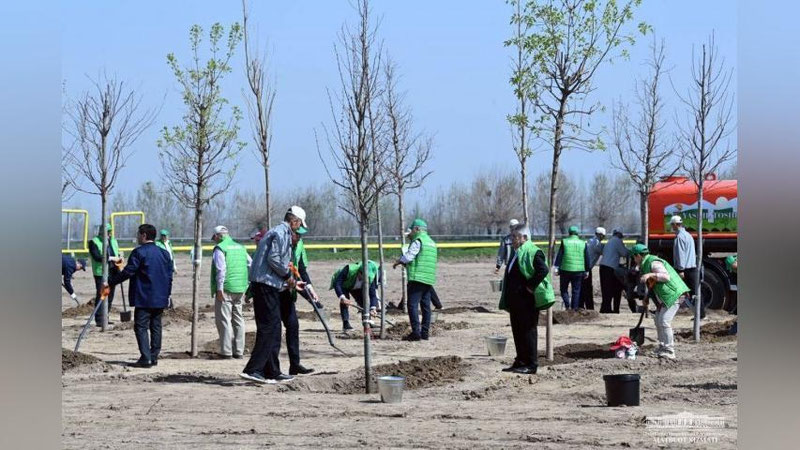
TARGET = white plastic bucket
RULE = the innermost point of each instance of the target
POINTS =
(497, 285)
(496, 345)
(391, 388)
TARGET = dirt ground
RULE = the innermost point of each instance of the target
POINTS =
(456, 395)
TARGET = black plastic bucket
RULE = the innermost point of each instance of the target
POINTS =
(622, 389)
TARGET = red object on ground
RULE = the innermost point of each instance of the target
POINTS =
(623, 341)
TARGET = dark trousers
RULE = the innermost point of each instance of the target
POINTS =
(690, 278)
(148, 320)
(435, 299)
(419, 295)
(289, 319)
(524, 319)
(587, 293)
(565, 280)
(98, 286)
(611, 288)
(267, 308)
(356, 295)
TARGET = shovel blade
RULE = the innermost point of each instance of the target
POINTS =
(637, 335)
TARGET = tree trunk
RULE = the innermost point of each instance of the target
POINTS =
(401, 214)
(381, 268)
(196, 264)
(266, 192)
(365, 301)
(551, 231)
(644, 211)
(106, 240)
(523, 173)
(698, 297)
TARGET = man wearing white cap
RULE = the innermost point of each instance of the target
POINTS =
(271, 283)
(595, 248)
(506, 251)
(684, 257)
(228, 285)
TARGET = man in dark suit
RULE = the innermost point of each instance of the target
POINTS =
(150, 271)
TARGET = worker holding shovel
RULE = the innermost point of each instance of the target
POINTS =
(347, 283)
(69, 266)
(670, 291)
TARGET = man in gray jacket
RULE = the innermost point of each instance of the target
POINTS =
(595, 248)
(684, 258)
(506, 251)
(610, 283)
(271, 283)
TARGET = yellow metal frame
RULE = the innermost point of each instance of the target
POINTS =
(85, 214)
(114, 215)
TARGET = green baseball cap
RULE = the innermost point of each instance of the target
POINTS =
(639, 249)
(301, 231)
(164, 232)
(100, 228)
(574, 230)
(419, 223)
(729, 262)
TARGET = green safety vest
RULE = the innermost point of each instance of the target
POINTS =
(543, 295)
(97, 266)
(572, 259)
(353, 269)
(670, 291)
(423, 268)
(300, 254)
(235, 267)
(167, 247)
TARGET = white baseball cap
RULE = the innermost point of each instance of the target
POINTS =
(220, 229)
(513, 223)
(600, 230)
(300, 213)
(675, 220)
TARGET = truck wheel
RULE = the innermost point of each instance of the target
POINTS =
(713, 289)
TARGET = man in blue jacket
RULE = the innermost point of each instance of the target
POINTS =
(69, 266)
(150, 271)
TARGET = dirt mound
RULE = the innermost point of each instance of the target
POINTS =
(710, 332)
(83, 310)
(400, 329)
(570, 353)
(463, 309)
(70, 360)
(567, 317)
(249, 342)
(419, 373)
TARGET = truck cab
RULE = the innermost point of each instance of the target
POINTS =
(678, 196)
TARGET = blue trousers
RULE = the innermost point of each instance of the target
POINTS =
(419, 295)
(357, 296)
(148, 320)
(575, 279)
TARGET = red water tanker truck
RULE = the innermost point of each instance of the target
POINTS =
(678, 196)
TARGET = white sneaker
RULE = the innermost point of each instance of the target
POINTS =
(257, 378)
(667, 354)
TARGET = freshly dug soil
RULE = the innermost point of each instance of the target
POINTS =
(419, 373)
(569, 316)
(249, 342)
(400, 329)
(71, 360)
(463, 309)
(710, 332)
(570, 353)
(83, 310)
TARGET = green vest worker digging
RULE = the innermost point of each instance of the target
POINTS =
(670, 292)
(229, 271)
(114, 258)
(420, 262)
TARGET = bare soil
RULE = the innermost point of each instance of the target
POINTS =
(456, 395)
(567, 317)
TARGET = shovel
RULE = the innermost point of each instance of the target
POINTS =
(637, 333)
(296, 273)
(124, 315)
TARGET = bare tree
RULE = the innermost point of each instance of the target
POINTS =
(67, 173)
(494, 197)
(568, 207)
(259, 106)
(643, 152)
(199, 156)
(708, 122)
(567, 42)
(520, 81)
(105, 122)
(350, 141)
(408, 153)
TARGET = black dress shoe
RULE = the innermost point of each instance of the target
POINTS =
(238, 356)
(411, 337)
(299, 370)
(154, 362)
(525, 370)
(513, 366)
(281, 377)
(424, 337)
(142, 364)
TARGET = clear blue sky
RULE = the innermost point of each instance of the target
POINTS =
(450, 53)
